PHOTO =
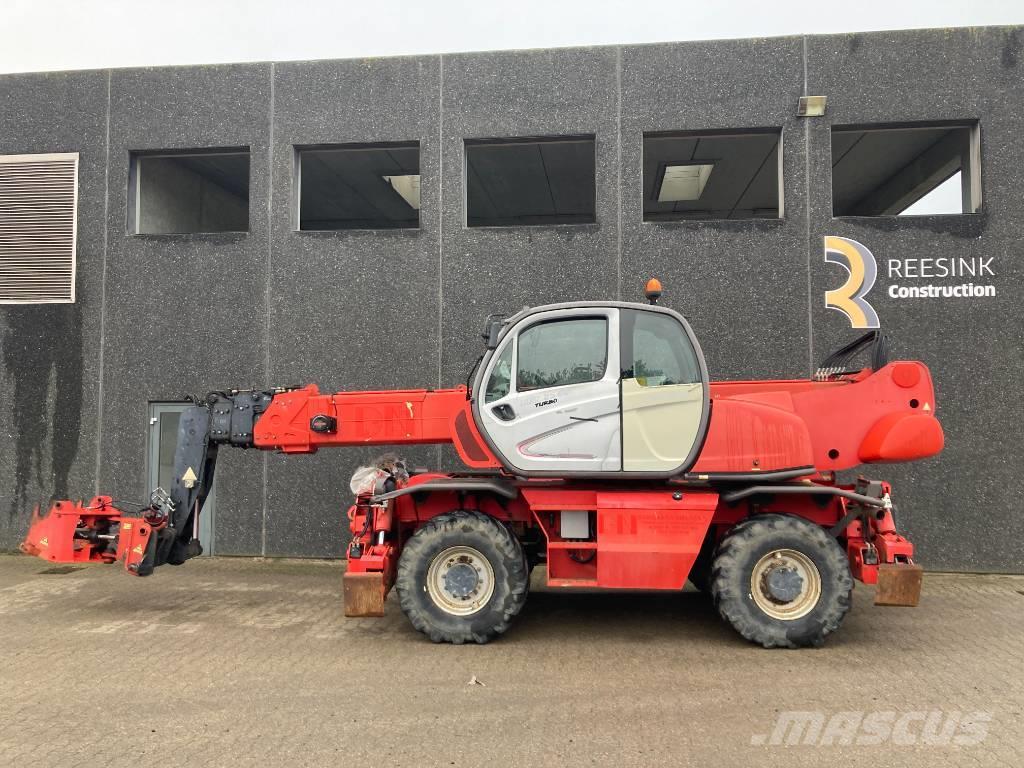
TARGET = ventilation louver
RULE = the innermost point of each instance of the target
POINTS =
(38, 211)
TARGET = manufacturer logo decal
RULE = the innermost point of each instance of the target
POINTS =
(849, 299)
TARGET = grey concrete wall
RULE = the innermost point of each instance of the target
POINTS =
(50, 353)
(404, 307)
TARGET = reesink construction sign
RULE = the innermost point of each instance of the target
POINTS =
(862, 268)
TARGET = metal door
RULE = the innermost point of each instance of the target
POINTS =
(163, 439)
(551, 402)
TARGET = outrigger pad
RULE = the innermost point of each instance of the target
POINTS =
(364, 594)
(899, 584)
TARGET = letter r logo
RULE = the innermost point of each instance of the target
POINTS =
(856, 259)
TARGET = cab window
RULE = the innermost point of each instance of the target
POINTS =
(501, 376)
(661, 352)
(561, 352)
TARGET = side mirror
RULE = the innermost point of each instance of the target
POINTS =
(492, 329)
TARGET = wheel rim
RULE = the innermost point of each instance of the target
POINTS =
(785, 584)
(460, 581)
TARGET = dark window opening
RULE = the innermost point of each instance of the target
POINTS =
(516, 182)
(187, 192)
(708, 176)
(905, 171)
(359, 187)
(562, 352)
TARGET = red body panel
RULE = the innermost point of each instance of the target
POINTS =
(645, 539)
(470, 444)
(650, 540)
(901, 437)
(759, 426)
(754, 436)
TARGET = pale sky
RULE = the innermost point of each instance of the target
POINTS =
(78, 34)
(945, 198)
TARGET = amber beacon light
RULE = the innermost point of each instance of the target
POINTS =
(653, 290)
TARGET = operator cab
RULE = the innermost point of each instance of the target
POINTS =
(602, 388)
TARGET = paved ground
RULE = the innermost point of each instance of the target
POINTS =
(237, 663)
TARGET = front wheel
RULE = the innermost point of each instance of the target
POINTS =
(462, 577)
(781, 581)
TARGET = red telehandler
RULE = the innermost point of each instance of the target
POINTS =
(594, 443)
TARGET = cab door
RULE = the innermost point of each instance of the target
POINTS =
(664, 392)
(551, 393)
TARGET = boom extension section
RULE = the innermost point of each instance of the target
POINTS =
(291, 420)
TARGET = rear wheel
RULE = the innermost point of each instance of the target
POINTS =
(781, 581)
(462, 577)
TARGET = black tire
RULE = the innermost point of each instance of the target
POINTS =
(752, 542)
(488, 538)
(700, 573)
